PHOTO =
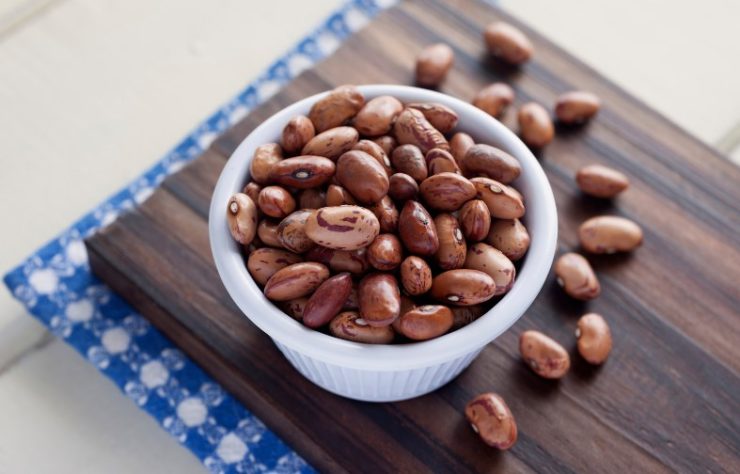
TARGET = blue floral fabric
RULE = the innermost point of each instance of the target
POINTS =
(56, 286)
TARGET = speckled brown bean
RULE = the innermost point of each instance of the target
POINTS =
(463, 287)
(447, 191)
(353, 261)
(380, 299)
(594, 338)
(412, 128)
(267, 231)
(433, 63)
(490, 417)
(332, 143)
(576, 276)
(402, 187)
(416, 276)
(494, 99)
(297, 133)
(387, 143)
(452, 246)
(252, 190)
(296, 280)
(276, 201)
(327, 300)
(362, 176)
(426, 322)
(294, 308)
(292, 232)
(459, 145)
(416, 229)
(313, 198)
(491, 162)
(609, 234)
(385, 252)
(502, 201)
(375, 150)
(489, 260)
(510, 237)
(543, 355)
(475, 220)
(535, 126)
(303, 172)
(464, 315)
(241, 214)
(350, 326)
(342, 227)
(377, 116)
(337, 196)
(265, 156)
(410, 160)
(601, 181)
(441, 161)
(507, 43)
(386, 213)
(576, 106)
(441, 117)
(264, 262)
(336, 108)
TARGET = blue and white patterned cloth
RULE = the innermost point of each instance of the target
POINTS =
(56, 286)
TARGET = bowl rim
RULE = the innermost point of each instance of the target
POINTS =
(389, 357)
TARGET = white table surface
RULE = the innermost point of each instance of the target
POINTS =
(94, 91)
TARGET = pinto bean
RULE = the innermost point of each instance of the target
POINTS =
(303, 172)
(327, 300)
(491, 419)
(475, 220)
(576, 276)
(426, 322)
(311, 199)
(464, 315)
(410, 160)
(441, 161)
(535, 125)
(377, 116)
(337, 195)
(402, 187)
(332, 143)
(543, 355)
(507, 43)
(510, 237)
(609, 234)
(576, 106)
(294, 308)
(376, 151)
(362, 176)
(463, 287)
(594, 338)
(265, 156)
(494, 99)
(342, 227)
(336, 108)
(276, 201)
(459, 145)
(380, 299)
(296, 280)
(241, 215)
(502, 201)
(349, 325)
(267, 231)
(297, 132)
(452, 247)
(416, 229)
(385, 252)
(252, 190)
(292, 232)
(264, 262)
(487, 259)
(491, 162)
(387, 143)
(353, 261)
(433, 63)
(416, 276)
(601, 181)
(447, 191)
(440, 116)
(386, 213)
(413, 128)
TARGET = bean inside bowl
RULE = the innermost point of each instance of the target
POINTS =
(378, 372)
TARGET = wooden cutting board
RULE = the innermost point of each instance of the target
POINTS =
(667, 399)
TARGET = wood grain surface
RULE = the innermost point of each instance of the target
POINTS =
(666, 400)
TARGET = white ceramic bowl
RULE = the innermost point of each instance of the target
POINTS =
(387, 372)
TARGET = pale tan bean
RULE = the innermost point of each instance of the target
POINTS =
(336, 108)
(265, 156)
(385, 252)
(594, 338)
(332, 143)
(386, 213)
(276, 201)
(267, 231)
(303, 172)
(410, 160)
(416, 276)
(490, 162)
(433, 63)
(463, 287)
(264, 262)
(601, 181)
(342, 227)
(380, 299)
(502, 201)
(296, 280)
(441, 117)
(241, 214)
(298, 131)
(362, 176)
(377, 116)
(494, 99)
(426, 322)
(452, 248)
(576, 106)
(447, 191)
(609, 234)
(576, 276)
(491, 419)
(543, 355)
(535, 126)
(349, 325)
(510, 237)
(441, 161)
(327, 301)
(402, 187)
(460, 144)
(416, 229)
(413, 128)
(508, 43)
(292, 232)
(337, 196)
(475, 220)
(489, 260)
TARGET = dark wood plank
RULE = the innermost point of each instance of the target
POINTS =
(665, 401)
